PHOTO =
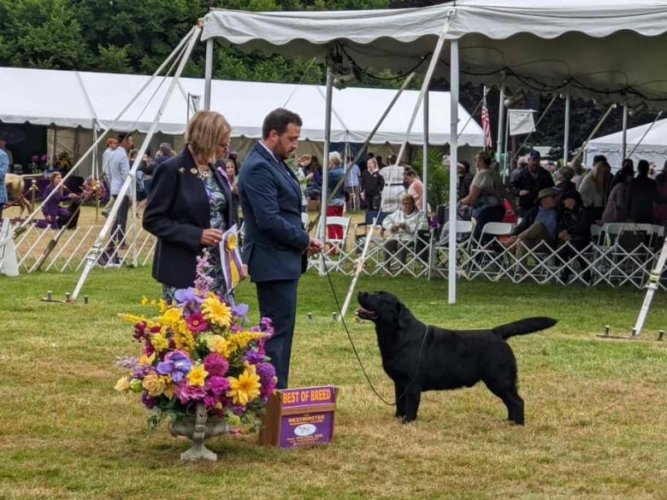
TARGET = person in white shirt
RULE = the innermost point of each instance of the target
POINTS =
(402, 226)
(119, 169)
(393, 190)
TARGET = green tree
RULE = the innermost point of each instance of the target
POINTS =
(41, 34)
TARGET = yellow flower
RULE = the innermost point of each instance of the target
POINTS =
(216, 312)
(184, 340)
(132, 318)
(169, 387)
(171, 316)
(241, 340)
(145, 300)
(162, 305)
(232, 242)
(147, 360)
(154, 384)
(159, 342)
(245, 388)
(123, 384)
(217, 343)
(197, 376)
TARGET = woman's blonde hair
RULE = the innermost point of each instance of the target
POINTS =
(205, 130)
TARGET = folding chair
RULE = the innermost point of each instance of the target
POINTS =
(438, 250)
(488, 255)
(623, 253)
(335, 247)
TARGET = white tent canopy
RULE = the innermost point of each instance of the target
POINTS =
(652, 140)
(606, 49)
(80, 99)
(603, 48)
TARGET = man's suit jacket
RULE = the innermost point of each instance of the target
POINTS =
(275, 240)
(177, 213)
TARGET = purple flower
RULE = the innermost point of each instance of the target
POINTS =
(177, 364)
(241, 311)
(148, 401)
(253, 357)
(187, 297)
(266, 372)
(215, 364)
(266, 325)
(128, 362)
(217, 385)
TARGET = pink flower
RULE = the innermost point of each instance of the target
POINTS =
(215, 364)
(196, 322)
(217, 385)
(186, 393)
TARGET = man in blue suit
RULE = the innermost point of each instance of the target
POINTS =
(275, 242)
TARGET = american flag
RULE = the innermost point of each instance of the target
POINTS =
(486, 123)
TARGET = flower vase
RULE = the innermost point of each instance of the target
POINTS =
(198, 428)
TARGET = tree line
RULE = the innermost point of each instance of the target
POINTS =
(129, 36)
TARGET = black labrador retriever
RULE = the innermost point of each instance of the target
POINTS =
(418, 357)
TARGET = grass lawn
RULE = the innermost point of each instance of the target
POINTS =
(595, 409)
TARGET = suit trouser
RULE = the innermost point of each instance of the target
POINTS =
(121, 219)
(277, 300)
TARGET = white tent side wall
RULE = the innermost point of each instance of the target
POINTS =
(653, 145)
(245, 104)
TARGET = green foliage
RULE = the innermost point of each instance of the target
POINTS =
(438, 177)
(41, 34)
(116, 59)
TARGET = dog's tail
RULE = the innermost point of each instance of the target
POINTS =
(523, 327)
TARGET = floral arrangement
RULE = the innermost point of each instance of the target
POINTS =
(63, 161)
(94, 190)
(199, 350)
(40, 162)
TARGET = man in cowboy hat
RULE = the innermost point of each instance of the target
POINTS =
(539, 224)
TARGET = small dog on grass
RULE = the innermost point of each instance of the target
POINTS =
(418, 357)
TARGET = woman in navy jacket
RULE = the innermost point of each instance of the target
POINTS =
(189, 206)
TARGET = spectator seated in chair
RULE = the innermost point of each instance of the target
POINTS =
(574, 228)
(487, 194)
(402, 226)
(540, 223)
(56, 215)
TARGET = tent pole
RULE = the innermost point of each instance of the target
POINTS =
(94, 252)
(94, 157)
(657, 117)
(624, 135)
(325, 163)
(566, 132)
(595, 131)
(539, 120)
(424, 207)
(23, 225)
(208, 74)
(453, 160)
(501, 125)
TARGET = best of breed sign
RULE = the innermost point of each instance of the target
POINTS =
(299, 417)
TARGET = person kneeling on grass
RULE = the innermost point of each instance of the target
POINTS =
(402, 226)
